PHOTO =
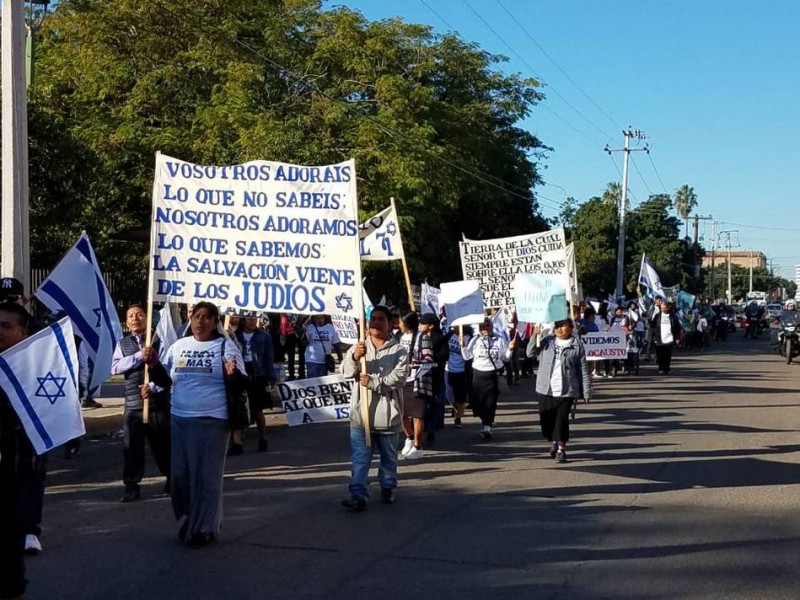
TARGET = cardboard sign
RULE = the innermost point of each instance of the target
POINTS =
(540, 298)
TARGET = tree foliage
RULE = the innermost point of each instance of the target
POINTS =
(429, 120)
(685, 201)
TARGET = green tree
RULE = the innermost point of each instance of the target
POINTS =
(430, 120)
(612, 194)
(685, 201)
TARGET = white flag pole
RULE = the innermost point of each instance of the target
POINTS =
(362, 335)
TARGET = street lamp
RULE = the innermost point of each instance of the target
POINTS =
(15, 247)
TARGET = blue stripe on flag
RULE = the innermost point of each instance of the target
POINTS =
(102, 297)
(87, 331)
(84, 248)
(62, 343)
(37, 422)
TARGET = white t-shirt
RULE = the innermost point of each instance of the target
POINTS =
(320, 342)
(247, 351)
(702, 325)
(556, 380)
(487, 353)
(198, 386)
(666, 329)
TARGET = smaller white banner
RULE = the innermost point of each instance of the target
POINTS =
(379, 237)
(316, 400)
(605, 345)
(346, 328)
(463, 302)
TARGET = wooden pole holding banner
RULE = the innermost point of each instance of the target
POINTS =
(362, 331)
(405, 268)
(148, 332)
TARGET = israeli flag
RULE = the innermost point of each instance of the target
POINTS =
(500, 325)
(76, 286)
(650, 279)
(40, 377)
(379, 237)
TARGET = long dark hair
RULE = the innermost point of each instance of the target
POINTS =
(212, 310)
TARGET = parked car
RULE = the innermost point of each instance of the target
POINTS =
(774, 311)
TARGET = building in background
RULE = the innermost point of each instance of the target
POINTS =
(797, 281)
(744, 259)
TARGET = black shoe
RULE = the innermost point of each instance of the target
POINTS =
(355, 503)
(553, 451)
(235, 450)
(387, 496)
(131, 495)
(486, 435)
(263, 445)
(90, 403)
(457, 423)
(561, 456)
(201, 540)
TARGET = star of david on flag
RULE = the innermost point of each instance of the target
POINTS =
(379, 237)
(76, 286)
(40, 377)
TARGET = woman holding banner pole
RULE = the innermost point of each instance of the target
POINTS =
(487, 352)
(563, 378)
(199, 368)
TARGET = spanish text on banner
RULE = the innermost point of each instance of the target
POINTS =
(264, 236)
(495, 262)
(316, 400)
(605, 345)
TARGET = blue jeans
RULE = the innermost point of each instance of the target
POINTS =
(362, 457)
(316, 370)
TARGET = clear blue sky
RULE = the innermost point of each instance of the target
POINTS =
(714, 84)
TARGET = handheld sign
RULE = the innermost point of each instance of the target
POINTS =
(605, 345)
(264, 236)
(494, 263)
(346, 328)
(463, 302)
(540, 298)
(316, 400)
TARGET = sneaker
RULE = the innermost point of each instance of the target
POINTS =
(486, 434)
(355, 503)
(610, 375)
(131, 495)
(414, 454)
(457, 423)
(33, 547)
(263, 445)
(90, 403)
(597, 375)
(553, 450)
(235, 450)
(561, 456)
(407, 446)
(387, 496)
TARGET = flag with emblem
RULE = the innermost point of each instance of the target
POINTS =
(40, 377)
(379, 237)
(76, 286)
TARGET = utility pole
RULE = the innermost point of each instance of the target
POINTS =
(712, 288)
(15, 227)
(751, 271)
(727, 233)
(623, 203)
(697, 219)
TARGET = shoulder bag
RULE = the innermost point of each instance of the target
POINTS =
(236, 396)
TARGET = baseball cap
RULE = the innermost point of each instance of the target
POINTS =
(11, 287)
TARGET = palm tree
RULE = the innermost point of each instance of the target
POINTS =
(612, 194)
(685, 200)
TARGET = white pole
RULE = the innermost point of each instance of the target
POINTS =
(623, 209)
(751, 270)
(15, 229)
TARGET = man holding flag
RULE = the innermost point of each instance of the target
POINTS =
(127, 361)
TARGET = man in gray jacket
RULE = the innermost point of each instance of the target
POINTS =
(385, 375)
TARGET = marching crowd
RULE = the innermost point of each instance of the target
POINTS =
(413, 373)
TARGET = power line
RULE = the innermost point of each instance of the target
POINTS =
(638, 172)
(649, 155)
(552, 60)
(527, 64)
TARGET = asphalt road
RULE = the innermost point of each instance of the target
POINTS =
(683, 486)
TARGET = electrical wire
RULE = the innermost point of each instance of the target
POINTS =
(658, 175)
(636, 168)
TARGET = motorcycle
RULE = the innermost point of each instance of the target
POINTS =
(788, 340)
(752, 327)
(721, 326)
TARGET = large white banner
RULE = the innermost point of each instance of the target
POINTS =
(380, 237)
(605, 345)
(495, 262)
(265, 236)
(316, 400)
